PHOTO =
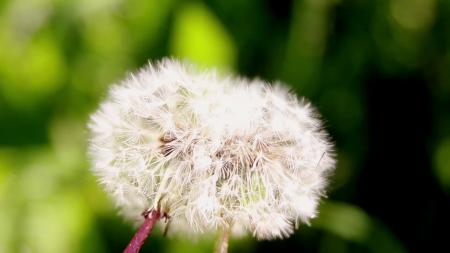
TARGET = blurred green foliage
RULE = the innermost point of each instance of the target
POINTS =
(57, 58)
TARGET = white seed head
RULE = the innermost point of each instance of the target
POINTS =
(210, 151)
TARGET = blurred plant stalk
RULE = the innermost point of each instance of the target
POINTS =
(222, 242)
(151, 217)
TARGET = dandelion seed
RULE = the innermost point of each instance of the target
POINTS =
(211, 152)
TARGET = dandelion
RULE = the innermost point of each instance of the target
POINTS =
(212, 152)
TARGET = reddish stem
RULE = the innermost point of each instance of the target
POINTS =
(151, 217)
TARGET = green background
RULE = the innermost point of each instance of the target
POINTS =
(57, 59)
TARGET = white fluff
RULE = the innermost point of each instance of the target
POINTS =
(210, 151)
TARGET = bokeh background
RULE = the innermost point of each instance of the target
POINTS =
(379, 72)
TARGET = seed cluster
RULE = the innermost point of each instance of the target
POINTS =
(210, 151)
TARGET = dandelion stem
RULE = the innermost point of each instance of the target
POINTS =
(151, 217)
(222, 243)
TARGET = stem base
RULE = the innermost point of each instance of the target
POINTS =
(151, 217)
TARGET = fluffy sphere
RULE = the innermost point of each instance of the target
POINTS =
(210, 151)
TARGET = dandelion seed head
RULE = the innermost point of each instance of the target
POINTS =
(210, 151)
